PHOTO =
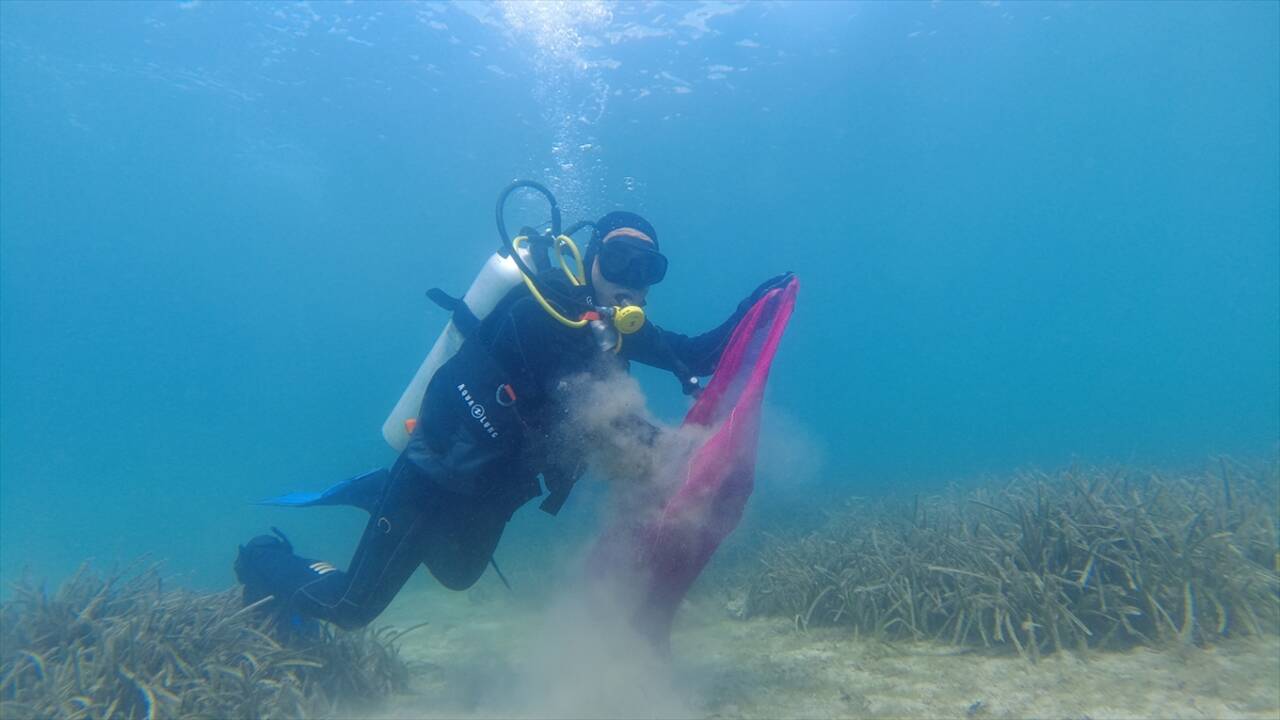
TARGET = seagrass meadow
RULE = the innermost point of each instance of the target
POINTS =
(126, 646)
(1164, 579)
(1040, 563)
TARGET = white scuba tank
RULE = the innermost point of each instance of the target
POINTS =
(499, 276)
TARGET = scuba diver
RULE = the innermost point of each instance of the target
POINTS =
(493, 420)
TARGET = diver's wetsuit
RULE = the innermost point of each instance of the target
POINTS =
(486, 429)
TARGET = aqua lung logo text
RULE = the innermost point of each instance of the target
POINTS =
(477, 411)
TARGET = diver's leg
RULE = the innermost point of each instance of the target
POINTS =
(463, 540)
(389, 551)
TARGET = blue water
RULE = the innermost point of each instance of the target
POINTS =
(1028, 234)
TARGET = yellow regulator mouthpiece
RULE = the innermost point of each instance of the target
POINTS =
(628, 319)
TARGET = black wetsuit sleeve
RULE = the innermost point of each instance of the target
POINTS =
(663, 349)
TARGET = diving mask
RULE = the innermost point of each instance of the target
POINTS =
(631, 262)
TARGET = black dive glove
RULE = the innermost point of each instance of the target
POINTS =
(772, 283)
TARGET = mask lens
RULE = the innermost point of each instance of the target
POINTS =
(632, 263)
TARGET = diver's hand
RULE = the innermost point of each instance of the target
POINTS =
(772, 283)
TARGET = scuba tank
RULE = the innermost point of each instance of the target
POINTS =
(499, 276)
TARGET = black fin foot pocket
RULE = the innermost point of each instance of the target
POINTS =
(267, 565)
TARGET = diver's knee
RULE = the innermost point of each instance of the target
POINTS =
(457, 583)
(459, 576)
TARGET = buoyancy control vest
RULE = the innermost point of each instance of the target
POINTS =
(471, 431)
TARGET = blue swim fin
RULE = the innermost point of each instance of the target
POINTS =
(362, 491)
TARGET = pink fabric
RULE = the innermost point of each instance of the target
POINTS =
(663, 555)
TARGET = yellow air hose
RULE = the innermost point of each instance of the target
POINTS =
(537, 294)
(626, 320)
(580, 276)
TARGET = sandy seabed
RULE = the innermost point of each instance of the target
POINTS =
(487, 657)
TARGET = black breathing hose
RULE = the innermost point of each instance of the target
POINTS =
(502, 204)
